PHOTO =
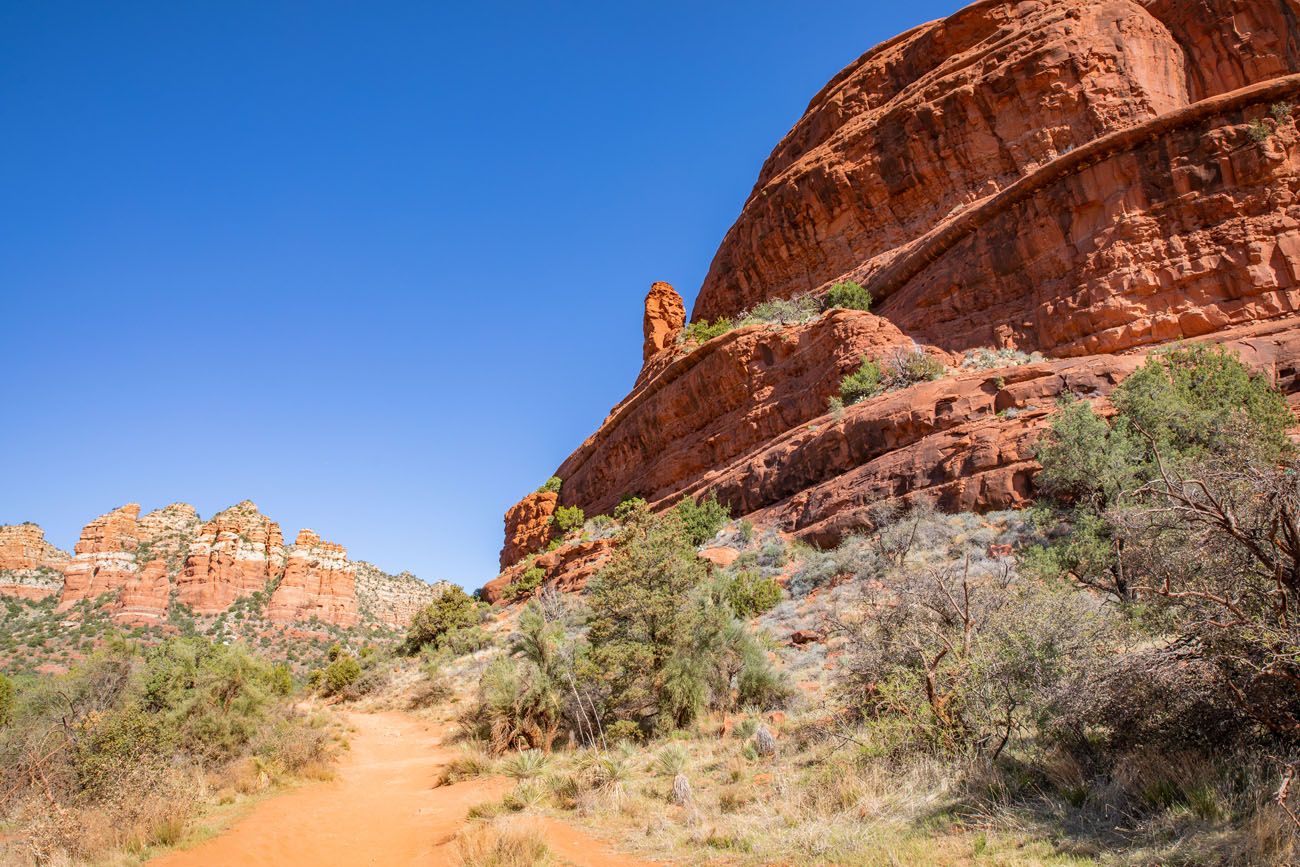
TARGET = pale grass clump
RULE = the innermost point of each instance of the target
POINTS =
(472, 762)
(502, 843)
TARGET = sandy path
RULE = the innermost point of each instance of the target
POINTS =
(382, 809)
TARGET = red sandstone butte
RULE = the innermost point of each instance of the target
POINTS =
(318, 582)
(104, 557)
(1077, 178)
(237, 553)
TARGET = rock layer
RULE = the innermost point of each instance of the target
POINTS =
(1087, 179)
(30, 567)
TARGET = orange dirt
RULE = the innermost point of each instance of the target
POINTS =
(382, 809)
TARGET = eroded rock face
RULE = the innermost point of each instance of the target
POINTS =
(934, 121)
(237, 553)
(528, 526)
(104, 557)
(566, 568)
(318, 582)
(390, 599)
(30, 567)
(1087, 179)
(665, 316)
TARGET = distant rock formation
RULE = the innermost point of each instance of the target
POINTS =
(138, 567)
(1086, 179)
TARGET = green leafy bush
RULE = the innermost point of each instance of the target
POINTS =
(910, 366)
(703, 519)
(703, 331)
(6, 700)
(849, 296)
(750, 593)
(452, 610)
(551, 485)
(340, 674)
(525, 584)
(567, 518)
(865, 382)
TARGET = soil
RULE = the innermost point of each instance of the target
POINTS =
(383, 808)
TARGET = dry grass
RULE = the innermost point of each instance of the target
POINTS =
(502, 843)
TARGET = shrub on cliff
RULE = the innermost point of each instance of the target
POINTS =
(432, 624)
(781, 311)
(551, 485)
(703, 331)
(849, 296)
(750, 593)
(567, 518)
(526, 583)
(862, 383)
(909, 366)
(702, 519)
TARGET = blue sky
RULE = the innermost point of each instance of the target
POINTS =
(376, 266)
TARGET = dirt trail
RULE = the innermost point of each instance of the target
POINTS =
(382, 809)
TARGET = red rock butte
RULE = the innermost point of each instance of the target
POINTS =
(1086, 179)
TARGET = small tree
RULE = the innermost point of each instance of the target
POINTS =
(551, 485)
(7, 699)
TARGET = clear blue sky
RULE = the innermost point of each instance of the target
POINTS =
(376, 266)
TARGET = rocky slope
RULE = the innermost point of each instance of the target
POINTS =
(142, 568)
(1086, 179)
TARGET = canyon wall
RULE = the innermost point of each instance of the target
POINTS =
(1085, 179)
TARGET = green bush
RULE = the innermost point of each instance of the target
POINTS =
(751, 594)
(703, 331)
(862, 383)
(341, 674)
(703, 519)
(849, 296)
(453, 609)
(525, 584)
(551, 485)
(628, 506)
(567, 518)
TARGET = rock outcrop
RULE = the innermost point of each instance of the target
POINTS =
(528, 526)
(235, 554)
(1086, 179)
(30, 567)
(318, 582)
(665, 316)
(104, 557)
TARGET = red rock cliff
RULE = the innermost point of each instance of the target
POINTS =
(30, 567)
(318, 582)
(1081, 178)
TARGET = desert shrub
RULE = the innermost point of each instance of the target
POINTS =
(749, 593)
(551, 485)
(781, 311)
(628, 506)
(849, 296)
(502, 845)
(702, 519)
(340, 674)
(907, 367)
(703, 331)
(567, 518)
(452, 610)
(866, 381)
(521, 694)
(526, 583)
